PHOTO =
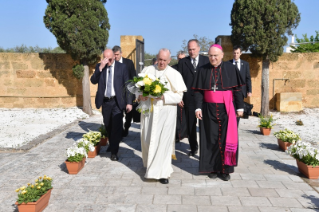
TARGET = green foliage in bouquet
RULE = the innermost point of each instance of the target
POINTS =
(103, 131)
(33, 192)
(304, 152)
(287, 136)
(266, 122)
(93, 136)
(150, 87)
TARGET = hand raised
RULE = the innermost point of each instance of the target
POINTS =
(103, 63)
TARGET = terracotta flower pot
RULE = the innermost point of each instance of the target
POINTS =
(95, 152)
(265, 131)
(103, 141)
(37, 206)
(309, 171)
(283, 145)
(75, 167)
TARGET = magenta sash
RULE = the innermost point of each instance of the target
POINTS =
(226, 97)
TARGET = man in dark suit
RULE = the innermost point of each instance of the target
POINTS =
(244, 70)
(111, 76)
(180, 55)
(132, 73)
(188, 67)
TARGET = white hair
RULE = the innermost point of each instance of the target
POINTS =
(164, 50)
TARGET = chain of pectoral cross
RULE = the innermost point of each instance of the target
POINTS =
(215, 80)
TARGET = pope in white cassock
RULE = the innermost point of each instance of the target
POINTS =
(159, 127)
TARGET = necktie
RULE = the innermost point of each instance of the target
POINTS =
(236, 63)
(109, 83)
(194, 64)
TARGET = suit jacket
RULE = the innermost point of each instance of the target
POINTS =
(245, 74)
(185, 67)
(121, 76)
(130, 67)
(175, 66)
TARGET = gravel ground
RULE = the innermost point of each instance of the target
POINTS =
(20, 126)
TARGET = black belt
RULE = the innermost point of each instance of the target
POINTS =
(109, 98)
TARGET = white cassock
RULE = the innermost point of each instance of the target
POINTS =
(158, 129)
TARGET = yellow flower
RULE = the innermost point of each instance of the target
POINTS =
(41, 184)
(147, 81)
(24, 192)
(29, 184)
(36, 180)
(32, 186)
(17, 190)
(49, 178)
(36, 184)
(157, 89)
(22, 188)
(40, 178)
(38, 187)
(44, 176)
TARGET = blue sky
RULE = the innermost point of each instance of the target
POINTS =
(164, 23)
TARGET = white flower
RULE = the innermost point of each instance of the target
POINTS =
(142, 75)
(140, 83)
(151, 76)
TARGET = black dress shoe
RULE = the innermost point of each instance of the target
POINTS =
(163, 181)
(125, 133)
(114, 157)
(212, 175)
(225, 177)
(193, 153)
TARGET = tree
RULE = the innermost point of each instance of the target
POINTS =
(312, 46)
(261, 27)
(81, 29)
(204, 43)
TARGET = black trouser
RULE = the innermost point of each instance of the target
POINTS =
(128, 120)
(191, 127)
(113, 121)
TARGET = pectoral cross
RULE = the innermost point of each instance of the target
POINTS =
(215, 88)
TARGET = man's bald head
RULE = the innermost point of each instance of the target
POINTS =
(215, 55)
(163, 58)
(108, 53)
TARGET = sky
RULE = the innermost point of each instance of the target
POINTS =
(163, 24)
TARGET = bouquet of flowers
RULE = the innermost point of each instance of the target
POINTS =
(266, 122)
(33, 192)
(87, 145)
(304, 152)
(147, 85)
(93, 136)
(76, 154)
(287, 136)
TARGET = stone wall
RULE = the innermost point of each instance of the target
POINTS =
(40, 81)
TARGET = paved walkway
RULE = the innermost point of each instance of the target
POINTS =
(265, 180)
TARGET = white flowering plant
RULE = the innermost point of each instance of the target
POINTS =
(33, 192)
(87, 145)
(93, 136)
(304, 152)
(287, 136)
(75, 153)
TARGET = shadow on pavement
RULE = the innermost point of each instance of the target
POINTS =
(277, 165)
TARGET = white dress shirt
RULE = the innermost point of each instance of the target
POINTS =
(121, 60)
(107, 76)
(238, 63)
(197, 58)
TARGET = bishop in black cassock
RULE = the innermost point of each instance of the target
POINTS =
(217, 87)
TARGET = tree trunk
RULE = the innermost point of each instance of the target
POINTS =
(265, 88)
(87, 108)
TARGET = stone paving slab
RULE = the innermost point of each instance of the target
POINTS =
(266, 179)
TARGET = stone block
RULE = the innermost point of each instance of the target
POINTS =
(18, 65)
(289, 102)
(313, 83)
(44, 74)
(49, 82)
(313, 92)
(10, 99)
(25, 74)
(4, 65)
(4, 73)
(29, 83)
(17, 91)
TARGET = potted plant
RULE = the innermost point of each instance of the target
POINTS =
(286, 138)
(265, 124)
(34, 197)
(76, 159)
(103, 132)
(94, 137)
(307, 158)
